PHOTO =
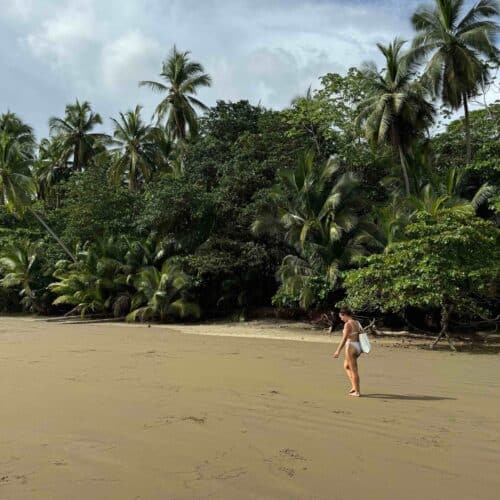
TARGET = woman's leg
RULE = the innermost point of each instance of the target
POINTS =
(353, 366)
(348, 371)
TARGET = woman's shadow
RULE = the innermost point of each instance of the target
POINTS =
(413, 397)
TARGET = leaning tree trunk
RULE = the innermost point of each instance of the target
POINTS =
(445, 321)
(467, 130)
(54, 235)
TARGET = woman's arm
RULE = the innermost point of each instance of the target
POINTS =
(347, 331)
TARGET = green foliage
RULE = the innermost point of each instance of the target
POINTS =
(231, 274)
(447, 260)
(245, 206)
(181, 214)
(50, 168)
(23, 268)
(97, 282)
(16, 185)
(92, 208)
(318, 212)
(324, 120)
(238, 168)
(160, 294)
(485, 137)
(12, 126)
(226, 121)
(315, 291)
(118, 277)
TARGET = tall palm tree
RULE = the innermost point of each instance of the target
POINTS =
(50, 167)
(22, 133)
(455, 46)
(396, 111)
(135, 150)
(182, 78)
(16, 184)
(75, 130)
(17, 187)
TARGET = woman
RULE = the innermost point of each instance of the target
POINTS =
(350, 339)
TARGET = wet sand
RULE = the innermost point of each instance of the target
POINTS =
(118, 412)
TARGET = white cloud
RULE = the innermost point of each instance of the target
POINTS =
(62, 38)
(128, 59)
(20, 10)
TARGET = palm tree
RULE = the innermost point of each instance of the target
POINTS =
(17, 187)
(16, 184)
(50, 167)
(183, 78)
(160, 294)
(389, 220)
(165, 161)
(135, 151)
(18, 263)
(447, 192)
(396, 111)
(317, 210)
(97, 282)
(75, 130)
(22, 133)
(454, 46)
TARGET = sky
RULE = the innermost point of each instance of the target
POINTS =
(265, 51)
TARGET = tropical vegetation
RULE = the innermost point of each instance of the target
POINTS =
(363, 191)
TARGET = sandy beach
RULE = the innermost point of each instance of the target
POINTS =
(120, 412)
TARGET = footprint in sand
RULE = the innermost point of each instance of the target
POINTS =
(289, 452)
(231, 474)
(7, 479)
(273, 392)
(287, 461)
(172, 419)
(288, 471)
(197, 420)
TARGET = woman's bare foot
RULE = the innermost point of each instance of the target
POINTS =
(351, 391)
(355, 394)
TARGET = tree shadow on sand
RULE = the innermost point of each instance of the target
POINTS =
(409, 397)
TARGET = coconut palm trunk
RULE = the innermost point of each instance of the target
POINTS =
(404, 168)
(76, 157)
(467, 129)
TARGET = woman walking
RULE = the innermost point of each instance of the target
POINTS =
(350, 339)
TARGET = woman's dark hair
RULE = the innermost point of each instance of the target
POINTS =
(346, 311)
